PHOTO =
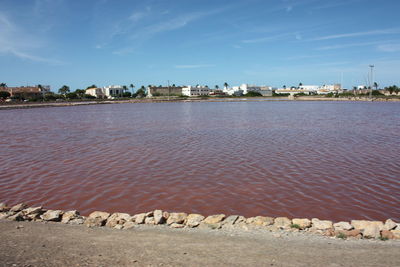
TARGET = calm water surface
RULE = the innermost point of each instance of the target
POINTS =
(328, 160)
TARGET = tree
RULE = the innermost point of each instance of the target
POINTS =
(131, 86)
(3, 85)
(217, 87)
(376, 85)
(63, 90)
(124, 87)
(72, 95)
(92, 86)
(4, 94)
(80, 93)
(127, 94)
(300, 85)
(253, 94)
(226, 85)
(284, 87)
(141, 92)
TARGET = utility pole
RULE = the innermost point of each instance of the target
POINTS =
(371, 80)
(168, 90)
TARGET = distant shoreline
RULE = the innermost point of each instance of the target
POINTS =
(7, 106)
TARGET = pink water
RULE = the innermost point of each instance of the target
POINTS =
(329, 160)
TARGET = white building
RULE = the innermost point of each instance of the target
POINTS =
(106, 92)
(329, 88)
(195, 90)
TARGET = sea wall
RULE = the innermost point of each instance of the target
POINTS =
(355, 229)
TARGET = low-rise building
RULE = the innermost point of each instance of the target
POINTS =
(164, 91)
(112, 91)
(96, 92)
(329, 88)
(28, 91)
(195, 90)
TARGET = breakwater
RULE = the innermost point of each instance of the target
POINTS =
(356, 229)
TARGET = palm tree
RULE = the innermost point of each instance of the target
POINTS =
(226, 85)
(131, 86)
(3, 85)
(284, 87)
(217, 87)
(300, 84)
(376, 85)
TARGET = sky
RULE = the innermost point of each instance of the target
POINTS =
(264, 42)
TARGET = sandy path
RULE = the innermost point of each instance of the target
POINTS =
(52, 244)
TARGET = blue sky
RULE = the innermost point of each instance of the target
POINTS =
(265, 42)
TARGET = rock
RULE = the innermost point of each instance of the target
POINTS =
(97, 218)
(52, 215)
(230, 220)
(16, 217)
(387, 234)
(282, 222)
(240, 219)
(262, 221)
(119, 226)
(176, 217)
(129, 225)
(78, 220)
(213, 226)
(69, 216)
(32, 213)
(139, 218)
(177, 225)
(342, 226)
(349, 233)
(370, 229)
(166, 215)
(362, 224)
(118, 219)
(389, 225)
(19, 207)
(150, 214)
(149, 220)
(4, 215)
(214, 219)
(194, 220)
(158, 217)
(396, 233)
(321, 224)
(4, 207)
(302, 223)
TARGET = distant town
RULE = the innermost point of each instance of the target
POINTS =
(44, 92)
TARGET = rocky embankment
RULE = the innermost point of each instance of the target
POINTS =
(356, 229)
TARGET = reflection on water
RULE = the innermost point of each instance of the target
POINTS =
(297, 159)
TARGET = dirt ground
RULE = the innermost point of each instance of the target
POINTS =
(55, 244)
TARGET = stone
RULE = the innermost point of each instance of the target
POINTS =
(372, 231)
(166, 215)
(4, 215)
(213, 226)
(150, 214)
(230, 220)
(387, 234)
(32, 213)
(78, 220)
(342, 226)
(52, 215)
(149, 220)
(262, 221)
(213, 219)
(302, 223)
(16, 217)
(240, 219)
(119, 226)
(158, 217)
(389, 225)
(177, 225)
(139, 218)
(176, 217)
(97, 218)
(19, 207)
(129, 225)
(4, 207)
(194, 220)
(69, 216)
(396, 233)
(117, 218)
(362, 224)
(282, 222)
(349, 233)
(321, 224)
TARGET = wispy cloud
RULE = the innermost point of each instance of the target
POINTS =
(271, 38)
(389, 47)
(196, 66)
(358, 34)
(341, 46)
(17, 42)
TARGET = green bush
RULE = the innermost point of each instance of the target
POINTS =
(253, 94)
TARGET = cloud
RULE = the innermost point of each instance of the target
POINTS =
(358, 34)
(332, 47)
(193, 66)
(271, 38)
(389, 47)
(15, 41)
